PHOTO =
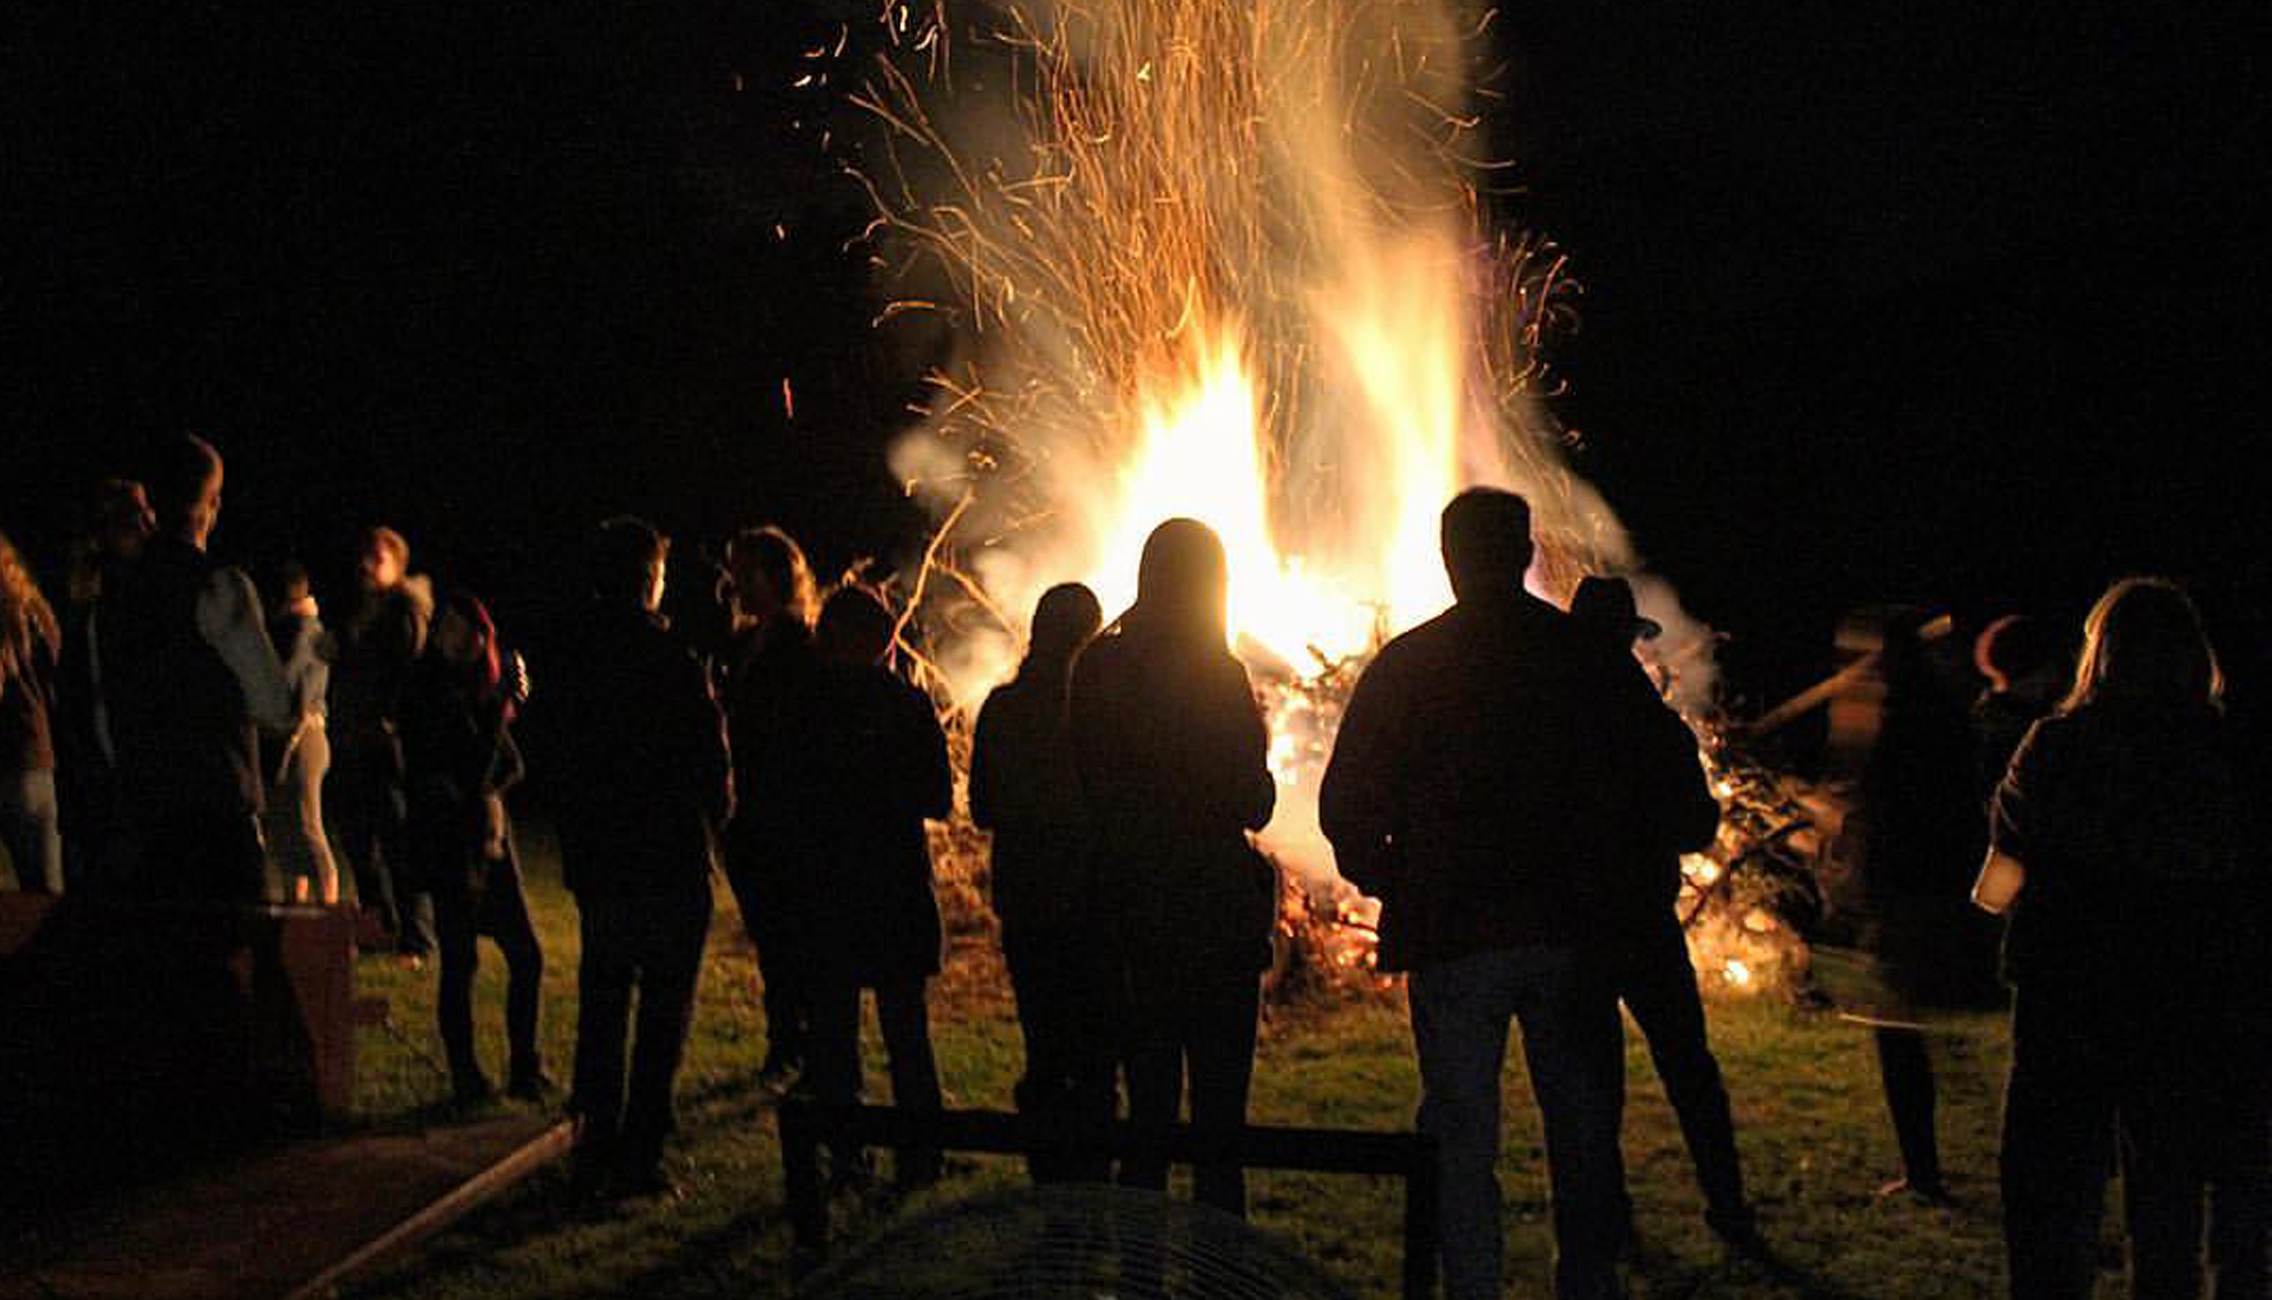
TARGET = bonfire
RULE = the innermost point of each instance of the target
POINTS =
(1237, 260)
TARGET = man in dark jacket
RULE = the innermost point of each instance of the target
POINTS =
(649, 784)
(1645, 950)
(1485, 769)
(189, 675)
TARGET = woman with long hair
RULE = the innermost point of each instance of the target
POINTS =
(459, 758)
(1173, 756)
(769, 845)
(30, 643)
(2129, 852)
(1025, 790)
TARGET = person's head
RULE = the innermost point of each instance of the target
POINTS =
(1067, 616)
(25, 616)
(119, 519)
(2143, 642)
(770, 576)
(1183, 582)
(185, 488)
(1606, 604)
(2012, 649)
(382, 558)
(855, 629)
(464, 638)
(1486, 541)
(629, 560)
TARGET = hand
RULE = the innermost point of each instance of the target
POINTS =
(516, 678)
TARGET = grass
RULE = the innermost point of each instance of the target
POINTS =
(1811, 1126)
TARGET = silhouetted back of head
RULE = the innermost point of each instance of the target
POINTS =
(2143, 643)
(770, 574)
(1064, 621)
(1183, 582)
(2013, 647)
(854, 629)
(1486, 540)
(628, 555)
(184, 481)
(1607, 605)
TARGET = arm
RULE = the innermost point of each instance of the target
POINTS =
(935, 787)
(1253, 791)
(2011, 818)
(228, 617)
(1356, 807)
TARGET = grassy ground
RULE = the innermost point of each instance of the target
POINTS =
(1811, 1125)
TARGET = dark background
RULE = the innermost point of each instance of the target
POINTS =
(1881, 302)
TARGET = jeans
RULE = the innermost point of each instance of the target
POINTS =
(1572, 1042)
(1201, 1028)
(29, 830)
(293, 821)
(466, 906)
(833, 1073)
(1657, 982)
(1064, 994)
(651, 943)
(367, 809)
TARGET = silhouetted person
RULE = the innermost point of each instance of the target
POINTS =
(188, 674)
(97, 846)
(1644, 947)
(1487, 768)
(880, 761)
(377, 648)
(2027, 670)
(459, 759)
(770, 845)
(2129, 847)
(1172, 752)
(1915, 829)
(644, 756)
(1025, 788)
(30, 644)
(294, 825)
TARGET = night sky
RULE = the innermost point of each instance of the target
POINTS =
(1880, 302)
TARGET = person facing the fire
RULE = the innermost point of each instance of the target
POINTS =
(770, 844)
(643, 745)
(1913, 835)
(1024, 788)
(2128, 847)
(875, 749)
(377, 648)
(1489, 764)
(1642, 945)
(1172, 753)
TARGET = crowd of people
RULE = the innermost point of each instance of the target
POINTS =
(1506, 780)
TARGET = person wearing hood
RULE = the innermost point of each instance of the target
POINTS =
(1172, 752)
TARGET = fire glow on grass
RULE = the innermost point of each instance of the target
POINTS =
(1225, 259)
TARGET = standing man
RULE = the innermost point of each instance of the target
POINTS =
(649, 784)
(378, 647)
(188, 676)
(1481, 774)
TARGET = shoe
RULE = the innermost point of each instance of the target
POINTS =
(410, 961)
(1931, 1193)
(531, 1084)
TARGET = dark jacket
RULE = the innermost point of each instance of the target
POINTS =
(1025, 787)
(457, 749)
(1487, 776)
(769, 685)
(178, 717)
(876, 748)
(1173, 757)
(2144, 846)
(644, 757)
(378, 649)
